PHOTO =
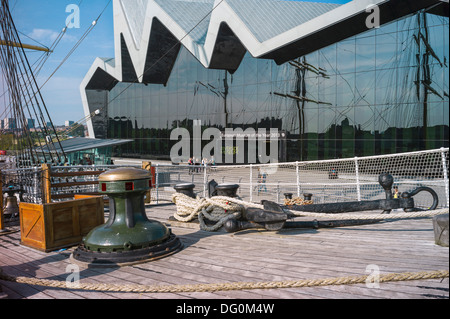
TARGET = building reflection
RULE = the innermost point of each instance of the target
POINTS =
(381, 92)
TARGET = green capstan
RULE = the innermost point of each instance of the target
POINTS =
(128, 232)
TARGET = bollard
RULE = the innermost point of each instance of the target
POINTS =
(128, 236)
(229, 190)
(211, 187)
(186, 189)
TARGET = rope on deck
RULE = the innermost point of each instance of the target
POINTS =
(219, 209)
(349, 280)
(392, 216)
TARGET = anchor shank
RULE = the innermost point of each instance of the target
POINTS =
(344, 207)
(328, 223)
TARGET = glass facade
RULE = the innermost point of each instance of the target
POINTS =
(380, 92)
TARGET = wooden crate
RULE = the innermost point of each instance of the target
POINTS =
(58, 225)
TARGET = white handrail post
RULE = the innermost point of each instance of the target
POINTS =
(444, 168)
(251, 183)
(298, 178)
(358, 186)
(205, 179)
(157, 182)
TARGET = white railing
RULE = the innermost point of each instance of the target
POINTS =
(327, 180)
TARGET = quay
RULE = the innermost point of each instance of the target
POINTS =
(251, 256)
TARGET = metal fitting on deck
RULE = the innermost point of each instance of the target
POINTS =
(128, 235)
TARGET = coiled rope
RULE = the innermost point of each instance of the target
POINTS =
(348, 280)
(219, 209)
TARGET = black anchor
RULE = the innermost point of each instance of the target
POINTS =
(273, 217)
(405, 202)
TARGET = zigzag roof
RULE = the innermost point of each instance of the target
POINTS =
(148, 33)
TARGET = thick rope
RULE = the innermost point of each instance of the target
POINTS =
(297, 201)
(217, 210)
(392, 216)
(221, 208)
(349, 280)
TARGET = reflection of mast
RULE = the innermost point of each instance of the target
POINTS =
(299, 94)
(223, 94)
(423, 74)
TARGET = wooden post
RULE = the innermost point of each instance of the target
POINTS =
(46, 184)
(148, 197)
(2, 221)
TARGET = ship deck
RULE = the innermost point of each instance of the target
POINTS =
(251, 256)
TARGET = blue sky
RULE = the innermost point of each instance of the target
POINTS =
(42, 21)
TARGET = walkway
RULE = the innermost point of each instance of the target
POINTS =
(252, 256)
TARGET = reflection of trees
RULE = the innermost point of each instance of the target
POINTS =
(375, 138)
(156, 141)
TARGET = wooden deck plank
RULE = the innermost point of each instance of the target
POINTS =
(279, 266)
(252, 256)
(34, 269)
(319, 255)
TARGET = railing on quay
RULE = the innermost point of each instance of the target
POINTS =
(327, 180)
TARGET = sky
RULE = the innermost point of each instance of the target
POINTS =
(39, 22)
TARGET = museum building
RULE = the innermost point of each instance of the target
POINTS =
(337, 80)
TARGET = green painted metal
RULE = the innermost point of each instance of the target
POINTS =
(128, 227)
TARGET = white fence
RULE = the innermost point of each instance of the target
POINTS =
(327, 180)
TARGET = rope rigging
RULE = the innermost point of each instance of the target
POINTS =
(26, 101)
(42, 60)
